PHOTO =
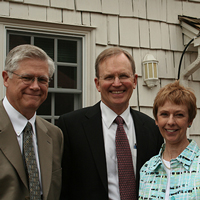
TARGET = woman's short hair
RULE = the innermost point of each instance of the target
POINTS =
(113, 51)
(27, 51)
(177, 94)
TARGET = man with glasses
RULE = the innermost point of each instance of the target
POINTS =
(107, 144)
(30, 147)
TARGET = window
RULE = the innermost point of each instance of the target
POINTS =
(65, 90)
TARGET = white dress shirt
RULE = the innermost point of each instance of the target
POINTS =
(19, 122)
(109, 132)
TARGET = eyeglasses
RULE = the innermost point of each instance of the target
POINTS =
(111, 78)
(28, 79)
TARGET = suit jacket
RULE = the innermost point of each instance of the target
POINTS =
(84, 160)
(13, 180)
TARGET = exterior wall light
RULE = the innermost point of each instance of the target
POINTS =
(150, 70)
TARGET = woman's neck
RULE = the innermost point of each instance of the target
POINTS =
(172, 151)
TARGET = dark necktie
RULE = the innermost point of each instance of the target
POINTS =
(31, 165)
(127, 184)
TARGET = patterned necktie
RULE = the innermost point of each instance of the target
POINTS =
(31, 165)
(127, 184)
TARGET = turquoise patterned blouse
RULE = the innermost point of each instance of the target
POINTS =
(184, 178)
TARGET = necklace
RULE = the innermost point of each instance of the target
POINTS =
(165, 164)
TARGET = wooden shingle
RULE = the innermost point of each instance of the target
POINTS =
(69, 4)
(88, 5)
(155, 35)
(129, 32)
(38, 13)
(126, 8)
(110, 7)
(113, 29)
(144, 33)
(19, 11)
(71, 17)
(37, 2)
(54, 15)
(100, 21)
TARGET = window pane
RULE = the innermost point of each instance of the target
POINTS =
(49, 120)
(45, 108)
(16, 40)
(51, 84)
(67, 77)
(46, 44)
(63, 103)
(67, 51)
(56, 122)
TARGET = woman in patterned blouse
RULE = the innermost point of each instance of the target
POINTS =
(175, 172)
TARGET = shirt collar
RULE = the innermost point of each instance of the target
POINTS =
(157, 159)
(17, 119)
(109, 115)
(186, 157)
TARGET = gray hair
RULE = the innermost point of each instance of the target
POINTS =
(27, 51)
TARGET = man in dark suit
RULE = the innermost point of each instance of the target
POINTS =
(90, 164)
(26, 77)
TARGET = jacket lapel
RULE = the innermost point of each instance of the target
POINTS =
(140, 134)
(94, 133)
(10, 146)
(45, 155)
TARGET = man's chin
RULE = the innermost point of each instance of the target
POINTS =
(33, 105)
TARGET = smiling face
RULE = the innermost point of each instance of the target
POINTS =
(116, 82)
(173, 120)
(26, 98)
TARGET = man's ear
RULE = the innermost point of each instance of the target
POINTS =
(135, 81)
(5, 78)
(96, 80)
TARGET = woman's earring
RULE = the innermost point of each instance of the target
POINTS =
(189, 126)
